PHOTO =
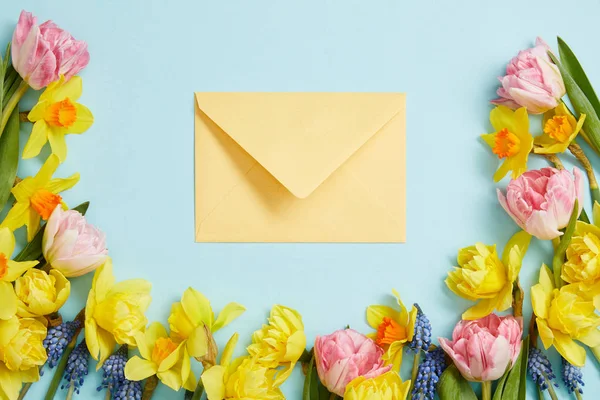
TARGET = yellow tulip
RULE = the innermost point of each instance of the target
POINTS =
(481, 275)
(280, 343)
(56, 114)
(388, 386)
(36, 197)
(11, 382)
(582, 266)
(560, 129)
(511, 141)
(163, 357)
(563, 316)
(40, 293)
(394, 328)
(114, 312)
(21, 343)
(194, 312)
(244, 378)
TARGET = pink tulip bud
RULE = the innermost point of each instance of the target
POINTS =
(541, 201)
(71, 245)
(482, 349)
(531, 81)
(41, 53)
(345, 355)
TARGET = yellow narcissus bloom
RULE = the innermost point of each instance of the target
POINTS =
(387, 386)
(114, 312)
(394, 328)
(189, 317)
(280, 343)
(244, 378)
(22, 354)
(563, 316)
(481, 275)
(163, 357)
(56, 114)
(40, 293)
(36, 197)
(560, 129)
(582, 266)
(9, 271)
(511, 142)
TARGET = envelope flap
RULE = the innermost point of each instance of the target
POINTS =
(300, 138)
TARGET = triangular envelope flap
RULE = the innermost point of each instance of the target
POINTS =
(300, 138)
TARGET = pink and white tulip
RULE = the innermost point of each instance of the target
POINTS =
(345, 355)
(482, 349)
(541, 201)
(41, 53)
(531, 81)
(71, 245)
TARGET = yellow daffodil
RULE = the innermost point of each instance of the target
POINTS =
(22, 354)
(482, 276)
(280, 343)
(163, 357)
(56, 114)
(394, 328)
(563, 316)
(560, 129)
(511, 141)
(36, 197)
(114, 312)
(244, 378)
(192, 314)
(387, 386)
(9, 271)
(40, 293)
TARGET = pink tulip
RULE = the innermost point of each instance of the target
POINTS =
(345, 355)
(482, 349)
(41, 53)
(531, 81)
(71, 245)
(541, 201)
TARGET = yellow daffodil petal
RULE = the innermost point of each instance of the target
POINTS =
(229, 349)
(591, 338)
(46, 171)
(91, 336)
(197, 343)
(376, 313)
(71, 89)
(103, 280)
(138, 369)
(107, 344)
(393, 355)
(481, 309)
(38, 111)
(571, 351)
(197, 307)
(10, 382)
(403, 312)
(514, 251)
(84, 120)
(501, 172)
(8, 299)
(190, 383)
(32, 223)
(521, 120)
(172, 359)
(540, 300)
(503, 117)
(412, 320)
(229, 313)
(212, 379)
(24, 190)
(18, 268)
(7, 242)
(58, 144)
(489, 139)
(16, 217)
(8, 329)
(504, 299)
(146, 340)
(546, 279)
(186, 370)
(546, 334)
(37, 139)
(58, 185)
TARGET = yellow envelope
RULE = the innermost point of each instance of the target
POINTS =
(300, 167)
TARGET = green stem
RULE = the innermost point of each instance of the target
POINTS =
(579, 154)
(486, 390)
(199, 390)
(415, 370)
(551, 392)
(71, 391)
(12, 103)
(24, 390)
(108, 395)
(60, 368)
(578, 395)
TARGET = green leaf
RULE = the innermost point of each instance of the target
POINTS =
(524, 362)
(33, 250)
(572, 64)
(584, 217)
(500, 386)
(9, 156)
(596, 213)
(581, 104)
(559, 253)
(514, 388)
(453, 386)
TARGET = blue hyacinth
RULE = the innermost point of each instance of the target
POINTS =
(57, 339)
(128, 390)
(572, 376)
(114, 370)
(429, 373)
(422, 336)
(77, 367)
(540, 369)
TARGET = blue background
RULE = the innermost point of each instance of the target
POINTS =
(136, 163)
